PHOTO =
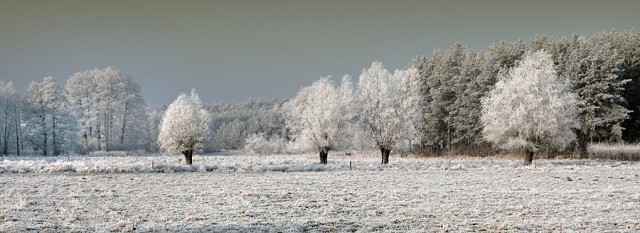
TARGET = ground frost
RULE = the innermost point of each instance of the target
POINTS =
(408, 195)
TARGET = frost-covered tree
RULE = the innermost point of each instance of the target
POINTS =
(456, 96)
(230, 135)
(233, 122)
(132, 116)
(465, 111)
(37, 113)
(109, 89)
(260, 144)
(530, 107)
(603, 70)
(594, 68)
(110, 109)
(389, 106)
(185, 126)
(153, 127)
(320, 116)
(442, 92)
(81, 89)
(51, 127)
(452, 85)
(432, 133)
(9, 117)
(498, 56)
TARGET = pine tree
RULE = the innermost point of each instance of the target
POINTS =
(593, 67)
(628, 44)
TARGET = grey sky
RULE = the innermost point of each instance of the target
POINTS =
(233, 50)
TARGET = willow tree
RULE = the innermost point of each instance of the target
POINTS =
(184, 126)
(530, 107)
(389, 106)
(320, 116)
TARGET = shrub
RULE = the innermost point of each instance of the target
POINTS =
(259, 144)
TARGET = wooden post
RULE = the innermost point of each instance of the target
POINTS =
(350, 166)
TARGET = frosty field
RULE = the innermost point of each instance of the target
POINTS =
(287, 193)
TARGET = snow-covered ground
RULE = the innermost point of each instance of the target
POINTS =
(292, 193)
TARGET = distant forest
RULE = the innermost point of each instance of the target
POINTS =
(102, 109)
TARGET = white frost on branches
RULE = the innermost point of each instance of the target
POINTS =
(530, 106)
(109, 108)
(260, 144)
(185, 124)
(320, 116)
(390, 105)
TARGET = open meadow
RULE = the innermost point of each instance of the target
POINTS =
(293, 193)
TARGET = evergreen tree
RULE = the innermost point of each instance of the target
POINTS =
(628, 44)
(593, 67)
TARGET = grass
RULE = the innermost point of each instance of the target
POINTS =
(283, 193)
(625, 152)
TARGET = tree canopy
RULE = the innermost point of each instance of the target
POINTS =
(529, 106)
(184, 126)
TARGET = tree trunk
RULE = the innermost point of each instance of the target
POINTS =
(385, 155)
(107, 130)
(45, 147)
(99, 134)
(17, 121)
(582, 145)
(5, 149)
(56, 151)
(528, 156)
(85, 136)
(324, 153)
(188, 155)
(124, 123)
(448, 139)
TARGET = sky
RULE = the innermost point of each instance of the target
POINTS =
(235, 50)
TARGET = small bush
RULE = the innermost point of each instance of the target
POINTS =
(259, 144)
(627, 152)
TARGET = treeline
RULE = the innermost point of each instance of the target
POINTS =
(102, 109)
(603, 70)
(97, 110)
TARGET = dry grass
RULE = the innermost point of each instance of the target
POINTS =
(624, 152)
